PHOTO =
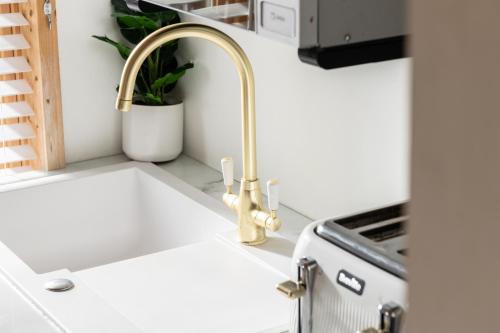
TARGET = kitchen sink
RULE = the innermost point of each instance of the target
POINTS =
(145, 251)
(103, 217)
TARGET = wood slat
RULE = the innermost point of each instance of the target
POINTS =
(15, 171)
(15, 110)
(17, 154)
(14, 88)
(9, 2)
(9, 20)
(13, 42)
(14, 132)
(12, 65)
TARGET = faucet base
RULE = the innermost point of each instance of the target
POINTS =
(250, 199)
(253, 220)
(248, 233)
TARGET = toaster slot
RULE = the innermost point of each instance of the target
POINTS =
(378, 237)
(386, 232)
(365, 219)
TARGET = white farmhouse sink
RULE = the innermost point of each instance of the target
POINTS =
(147, 253)
(100, 219)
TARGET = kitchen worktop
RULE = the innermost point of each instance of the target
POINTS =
(271, 261)
(18, 315)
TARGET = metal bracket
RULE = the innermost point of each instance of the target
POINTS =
(303, 291)
(47, 10)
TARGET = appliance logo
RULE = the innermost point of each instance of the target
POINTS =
(351, 282)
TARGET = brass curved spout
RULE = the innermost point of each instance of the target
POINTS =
(252, 218)
(181, 30)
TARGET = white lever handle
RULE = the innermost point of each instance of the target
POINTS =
(227, 170)
(273, 191)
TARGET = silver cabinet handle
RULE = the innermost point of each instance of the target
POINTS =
(302, 290)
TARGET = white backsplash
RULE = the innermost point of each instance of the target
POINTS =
(90, 71)
(337, 140)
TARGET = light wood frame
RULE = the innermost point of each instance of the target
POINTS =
(43, 57)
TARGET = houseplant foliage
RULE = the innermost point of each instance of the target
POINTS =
(160, 72)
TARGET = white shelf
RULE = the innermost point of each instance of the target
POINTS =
(13, 65)
(13, 43)
(5, 2)
(14, 87)
(15, 110)
(12, 20)
(17, 154)
(13, 132)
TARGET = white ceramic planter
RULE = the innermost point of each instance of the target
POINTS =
(153, 133)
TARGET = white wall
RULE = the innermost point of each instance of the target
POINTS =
(337, 140)
(90, 71)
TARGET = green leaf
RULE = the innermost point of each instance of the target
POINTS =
(136, 27)
(138, 98)
(138, 22)
(122, 49)
(151, 99)
(159, 74)
(165, 17)
(172, 77)
(120, 6)
(168, 50)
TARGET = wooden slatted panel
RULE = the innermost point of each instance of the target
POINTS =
(43, 57)
(31, 89)
(11, 85)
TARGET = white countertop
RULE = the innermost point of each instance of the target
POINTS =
(205, 287)
(18, 315)
(208, 181)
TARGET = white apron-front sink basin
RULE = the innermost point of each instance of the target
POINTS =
(104, 216)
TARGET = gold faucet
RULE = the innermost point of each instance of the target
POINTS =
(253, 219)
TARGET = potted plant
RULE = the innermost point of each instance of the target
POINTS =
(153, 129)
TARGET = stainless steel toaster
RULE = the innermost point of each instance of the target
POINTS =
(350, 275)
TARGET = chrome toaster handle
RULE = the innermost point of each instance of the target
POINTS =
(303, 291)
(391, 319)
